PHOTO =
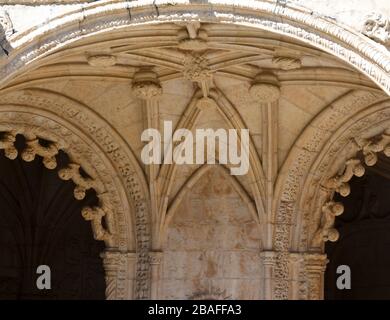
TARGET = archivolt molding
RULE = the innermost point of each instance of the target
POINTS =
(335, 165)
(284, 19)
(17, 122)
(339, 183)
(93, 144)
(302, 172)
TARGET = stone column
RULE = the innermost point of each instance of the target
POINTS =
(156, 269)
(147, 88)
(298, 285)
(265, 90)
(315, 265)
(119, 270)
(268, 260)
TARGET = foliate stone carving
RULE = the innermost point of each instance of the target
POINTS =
(265, 88)
(72, 172)
(326, 232)
(286, 63)
(371, 148)
(95, 215)
(146, 85)
(339, 183)
(102, 60)
(377, 27)
(195, 68)
(6, 24)
(7, 144)
(124, 164)
(48, 153)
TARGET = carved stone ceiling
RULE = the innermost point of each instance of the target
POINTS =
(100, 70)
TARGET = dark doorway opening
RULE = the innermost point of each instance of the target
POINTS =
(41, 224)
(364, 243)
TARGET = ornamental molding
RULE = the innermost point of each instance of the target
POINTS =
(319, 153)
(104, 157)
(286, 19)
(34, 135)
(370, 148)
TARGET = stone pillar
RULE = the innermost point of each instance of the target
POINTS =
(156, 269)
(315, 265)
(297, 283)
(265, 90)
(119, 270)
(268, 260)
(147, 88)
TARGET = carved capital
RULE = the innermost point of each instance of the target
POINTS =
(265, 88)
(146, 85)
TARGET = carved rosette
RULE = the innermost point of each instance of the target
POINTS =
(195, 68)
(326, 232)
(146, 85)
(265, 88)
